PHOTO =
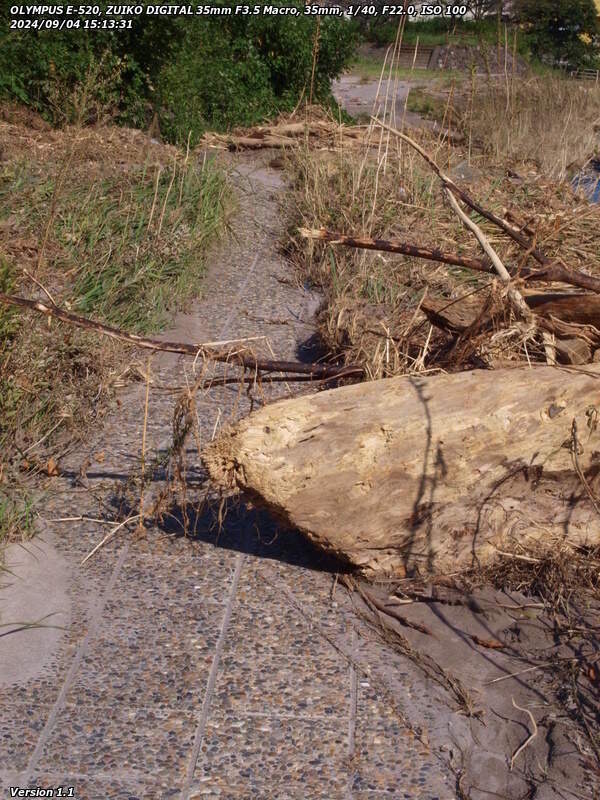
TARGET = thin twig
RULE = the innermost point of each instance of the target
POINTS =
(108, 537)
(143, 454)
(240, 357)
(529, 739)
(516, 298)
(552, 271)
(40, 286)
(516, 674)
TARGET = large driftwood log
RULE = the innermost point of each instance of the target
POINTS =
(432, 474)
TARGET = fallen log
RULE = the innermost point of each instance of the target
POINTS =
(284, 135)
(457, 315)
(581, 309)
(426, 475)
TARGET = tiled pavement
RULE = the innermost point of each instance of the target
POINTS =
(227, 664)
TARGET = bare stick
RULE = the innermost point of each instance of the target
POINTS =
(515, 297)
(555, 272)
(516, 674)
(41, 286)
(108, 537)
(396, 246)
(529, 739)
(143, 454)
(237, 356)
(551, 271)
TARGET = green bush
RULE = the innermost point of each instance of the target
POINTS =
(562, 31)
(239, 70)
(54, 72)
(193, 72)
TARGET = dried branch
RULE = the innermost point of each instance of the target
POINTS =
(383, 608)
(396, 246)
(241, 357)
(514, 295)
(550, 274)
(552, 271)
(529, 739)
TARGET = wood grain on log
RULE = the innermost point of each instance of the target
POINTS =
(428, 474)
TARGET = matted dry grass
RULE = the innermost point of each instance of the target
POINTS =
(105, 222)
(372, 299)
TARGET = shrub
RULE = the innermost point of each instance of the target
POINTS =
(238, 70)
(194, 72)
(562, 31)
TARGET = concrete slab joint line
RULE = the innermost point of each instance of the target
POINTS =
(83, 646)
(212, 680)
(73, 669)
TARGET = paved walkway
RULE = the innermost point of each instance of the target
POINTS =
(223, 665)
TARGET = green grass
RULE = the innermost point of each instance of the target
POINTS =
(128, 247)
(427, 105)
(132, 246)
(16, 517)
(435, 32)
(369, 67)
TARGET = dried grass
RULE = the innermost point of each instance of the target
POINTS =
(548, 120)
(372, 299)
(75, 225)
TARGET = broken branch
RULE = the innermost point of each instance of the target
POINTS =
(515, 297)
(551, 271)
(396, 246)
(550, 274)
(240, 357)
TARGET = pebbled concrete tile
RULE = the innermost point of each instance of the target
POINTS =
(390, 757)
(151, 583)
(110, 787)
(281, 686)
(265, 757)
(159, 659)
(288, 792)
(264, 621)
(123, 744)
(20, 726)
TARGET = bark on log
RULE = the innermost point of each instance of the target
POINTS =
(581, 309)
(428, 474)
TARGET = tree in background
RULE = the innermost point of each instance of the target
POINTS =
(238, 70)
(562, 31)
(482, 8)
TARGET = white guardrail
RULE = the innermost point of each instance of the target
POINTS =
(586, 74)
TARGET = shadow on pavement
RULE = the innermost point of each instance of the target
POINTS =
(247, 530)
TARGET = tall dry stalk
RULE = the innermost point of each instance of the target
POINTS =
(549, 120)
(315, 55)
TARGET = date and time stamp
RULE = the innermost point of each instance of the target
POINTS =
(121, 17)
